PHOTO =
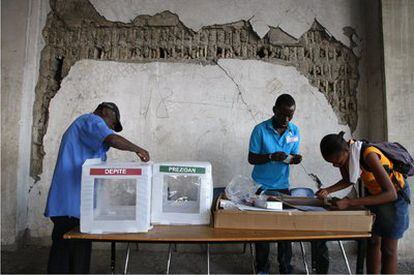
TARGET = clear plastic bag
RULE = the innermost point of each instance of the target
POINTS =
(242, 189)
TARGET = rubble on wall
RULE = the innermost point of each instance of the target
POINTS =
(75, 30)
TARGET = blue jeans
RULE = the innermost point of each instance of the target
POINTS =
(392, 219)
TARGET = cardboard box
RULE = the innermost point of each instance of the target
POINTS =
(350, 221)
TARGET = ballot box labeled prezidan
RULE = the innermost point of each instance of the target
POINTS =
(182, 193)
(115, 197)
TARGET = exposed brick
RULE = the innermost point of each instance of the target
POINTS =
(75, 30)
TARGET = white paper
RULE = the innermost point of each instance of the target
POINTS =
(243, 207)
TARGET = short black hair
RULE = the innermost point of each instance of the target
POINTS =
(332, 144)
(285, 100)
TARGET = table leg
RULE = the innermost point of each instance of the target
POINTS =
(208, 258)
(362, 249)
(253, 258)
(169, 258)
(302, 248)
(345, 257)
(113, 255)
(126, 260)
(313, 256)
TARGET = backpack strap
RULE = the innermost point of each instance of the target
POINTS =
(361, 157)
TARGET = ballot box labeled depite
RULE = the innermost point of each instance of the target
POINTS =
(115, 197)
(182, 193)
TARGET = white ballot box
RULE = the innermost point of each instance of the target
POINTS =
(115, 197)
(182, 193)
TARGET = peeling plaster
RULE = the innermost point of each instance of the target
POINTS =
(75, 31)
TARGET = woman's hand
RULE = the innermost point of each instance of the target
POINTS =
(343, 204)
(322, 193)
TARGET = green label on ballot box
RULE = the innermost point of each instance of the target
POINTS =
(182, 169)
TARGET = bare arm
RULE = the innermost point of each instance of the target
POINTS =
(341, 184)
(387, 195)
(265, 158)
(121, 143)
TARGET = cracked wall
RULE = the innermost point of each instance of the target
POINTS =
(75, 31)
(179, 112)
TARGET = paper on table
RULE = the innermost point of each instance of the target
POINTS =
(227, 204)
(310, 208)
(252, 208)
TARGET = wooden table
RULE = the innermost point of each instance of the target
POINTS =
(206, 234)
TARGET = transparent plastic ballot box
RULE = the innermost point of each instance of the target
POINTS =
(115, 197)
(182, 193)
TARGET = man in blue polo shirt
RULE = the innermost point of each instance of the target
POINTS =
(89, 136)
(274, 145)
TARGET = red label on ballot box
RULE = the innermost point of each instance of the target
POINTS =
(115, 172)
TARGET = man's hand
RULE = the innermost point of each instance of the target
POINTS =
(296, 159)
(278, 156)
(123, 144)
(322, 193)
(344, 203)
(143, 155)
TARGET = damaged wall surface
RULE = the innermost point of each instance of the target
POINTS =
(75, 31)
(179, 112)
(219, 61)
(225, 77)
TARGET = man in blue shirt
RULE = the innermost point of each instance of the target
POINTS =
(89, 136)
(274, 145)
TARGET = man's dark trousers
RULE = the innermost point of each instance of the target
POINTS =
(284, 249)
(68, 256)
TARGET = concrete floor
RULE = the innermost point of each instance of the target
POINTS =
(189, 259)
